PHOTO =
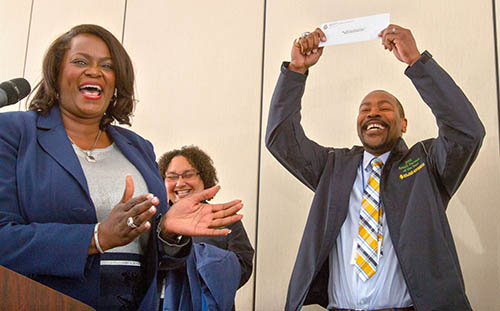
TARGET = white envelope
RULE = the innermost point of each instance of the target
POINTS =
(355, 29)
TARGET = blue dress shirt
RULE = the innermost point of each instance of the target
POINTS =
(387, 287)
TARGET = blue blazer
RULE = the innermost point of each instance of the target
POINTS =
(47, 217)
(208, 283)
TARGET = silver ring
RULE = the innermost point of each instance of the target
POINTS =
(130, 222)
(393, 30)
(305, 34)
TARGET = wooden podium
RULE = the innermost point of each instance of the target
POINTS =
(19, 293)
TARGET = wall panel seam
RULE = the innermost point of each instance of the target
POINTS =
(495, 44)
(26, 50)
(124, 21)
(259, 153)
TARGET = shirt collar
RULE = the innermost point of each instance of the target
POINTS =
(367, 157)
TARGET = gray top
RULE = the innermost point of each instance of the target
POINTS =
(106, 182)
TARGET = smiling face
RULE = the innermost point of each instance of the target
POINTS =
(380, 122)
(86, 79)
(182, 187)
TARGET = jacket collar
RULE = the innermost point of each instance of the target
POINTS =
(400, 146)
(397, 151)
(53, 139)
(50, 120)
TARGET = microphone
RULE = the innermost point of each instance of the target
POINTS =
(13, 91)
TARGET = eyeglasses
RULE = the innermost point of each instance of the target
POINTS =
(186, 175)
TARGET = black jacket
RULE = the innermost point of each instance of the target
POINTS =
(416, 186)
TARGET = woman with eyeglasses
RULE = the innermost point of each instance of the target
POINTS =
(190, 170)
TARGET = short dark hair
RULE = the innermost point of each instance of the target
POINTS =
(197, 158)
(121, 107)
(400, 106)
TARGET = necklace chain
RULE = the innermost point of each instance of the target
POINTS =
(88, 153)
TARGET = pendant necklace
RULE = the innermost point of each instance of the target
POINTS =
(88, 153)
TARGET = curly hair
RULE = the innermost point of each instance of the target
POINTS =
(197, 158)
(47, 90)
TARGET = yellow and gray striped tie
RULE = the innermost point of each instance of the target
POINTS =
(370, 225)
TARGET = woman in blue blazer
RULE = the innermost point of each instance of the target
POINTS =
(65, 218)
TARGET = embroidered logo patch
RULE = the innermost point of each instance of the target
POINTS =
(410, 167)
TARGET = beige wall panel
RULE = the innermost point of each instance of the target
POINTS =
(14, 27)
(460, 36)
(198, 68)
(52, 18)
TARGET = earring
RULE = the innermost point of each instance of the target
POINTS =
(114, 97)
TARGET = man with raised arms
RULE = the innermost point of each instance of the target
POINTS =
(377, 236)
